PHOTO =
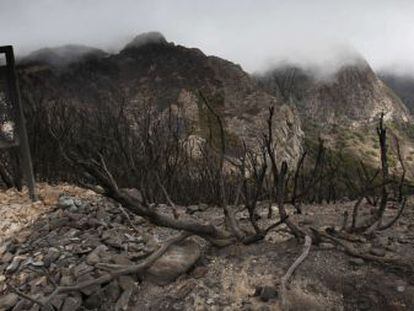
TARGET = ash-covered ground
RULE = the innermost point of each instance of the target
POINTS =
(73, 235)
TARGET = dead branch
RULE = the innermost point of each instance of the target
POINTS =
(128, 218)
(279, 177)
(392, 221)
(228, 214)
(344, 221)
(375, 222)
(295, 201)
(355, 213)
(167, 197)
(262, 234)
(292, 268)
(139, 208)
(251, 196)
(132, 269)
(382, 136)
(29, 298)
(402, 179)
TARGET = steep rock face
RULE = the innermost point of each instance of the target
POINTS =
(353, 96)
(150, 70)
(343, 109)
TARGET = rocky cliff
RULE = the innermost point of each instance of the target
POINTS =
(352, 96)
(343, 108)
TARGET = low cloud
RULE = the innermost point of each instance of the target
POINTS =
(255, 34)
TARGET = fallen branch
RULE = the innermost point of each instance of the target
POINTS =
(132, 269)
(392, 221)
(140, 208)
(292, 268)
(261, 235)
(125, 213)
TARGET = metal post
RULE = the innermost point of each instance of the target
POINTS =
(20, 123)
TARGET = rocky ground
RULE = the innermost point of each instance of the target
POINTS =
(73, 235)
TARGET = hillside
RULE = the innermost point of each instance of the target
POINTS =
(160, 218)
(63, 55)
(343, 108)
(353, 96)
(152, 71)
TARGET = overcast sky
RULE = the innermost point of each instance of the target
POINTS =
(253, 33)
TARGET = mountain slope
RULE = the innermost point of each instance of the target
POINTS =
(63, 55)
(150, 70)
(344, 108)
(353, 96)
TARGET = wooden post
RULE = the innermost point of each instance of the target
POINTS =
(13, 94)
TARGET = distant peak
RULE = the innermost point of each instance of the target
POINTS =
(146, 38)
(63, 55)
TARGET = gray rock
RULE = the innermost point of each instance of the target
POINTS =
(138, 255)
(176, 261)
(401, 289)
(8, 301)
(81, 269)
(126, 282)
(191, 209)
(112, 291)
(325, 245)
(356, 261)
(22, 305)
(15, 264)
(88, 291)
(95, 256)
(35, 307)
(133, 193)
(66, 202)
(72, 303)
(123, 301)
(135, 247)
(91, 240)
(267, 293)
(67, 280)
(403, 240)
(380, 252)
(56, 223)
(38, 264)
(7, 257)
(307, 221)
(58, 301)
(113, 238)
(94, 301)
(121, 259)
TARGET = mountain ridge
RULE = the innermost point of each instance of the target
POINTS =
(353, 95)
(152, 70)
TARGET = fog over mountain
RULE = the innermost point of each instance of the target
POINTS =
(256, 34)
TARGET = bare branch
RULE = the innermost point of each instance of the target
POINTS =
(292, 268)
